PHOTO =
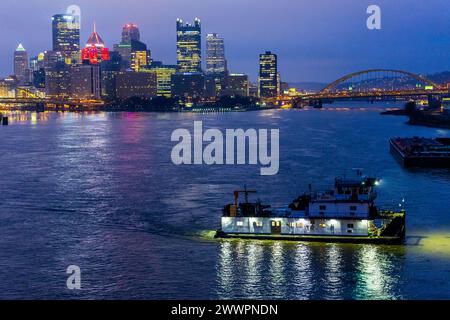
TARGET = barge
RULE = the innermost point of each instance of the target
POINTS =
(346, 214)
(421, 152)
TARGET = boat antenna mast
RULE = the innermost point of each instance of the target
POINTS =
(246, 192)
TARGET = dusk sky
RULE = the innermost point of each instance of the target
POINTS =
(316, 40)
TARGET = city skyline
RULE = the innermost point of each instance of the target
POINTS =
(317, 51)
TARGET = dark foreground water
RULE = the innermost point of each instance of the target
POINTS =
(99, 191)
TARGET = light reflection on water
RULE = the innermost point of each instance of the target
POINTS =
(289, 270)
(303, 279)
(333, 272)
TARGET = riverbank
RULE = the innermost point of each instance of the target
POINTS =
(434, 118)
(430, 119)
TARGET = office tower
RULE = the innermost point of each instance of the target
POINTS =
(95, 51)
(253, 89)
(34, 63)
(21, 71)
(237, 85)
(58, 81)
(135, 84)
(8, 87)
(215, 54)
(163, 77)
(134, 53)
(125, 53)
(109, 71)
(284, 87)
(215, 84)
(85, 82)
(52, 58)
(66, 34)
(189, 50)
(268, 75)
(37, 70)
(38, 78)
(140, 56)
(188, 87)
(5, 89)
(130, 32)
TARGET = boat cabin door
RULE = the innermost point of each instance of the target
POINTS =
(275, 227)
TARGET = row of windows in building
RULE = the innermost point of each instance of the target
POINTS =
(291, 224)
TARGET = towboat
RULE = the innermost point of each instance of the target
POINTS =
(347, 213)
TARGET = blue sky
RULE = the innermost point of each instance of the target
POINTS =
(316, 40)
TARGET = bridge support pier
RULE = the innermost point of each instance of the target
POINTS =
(317, 104)
(434, 102)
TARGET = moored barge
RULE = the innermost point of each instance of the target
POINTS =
(421, 152)
(346, 214)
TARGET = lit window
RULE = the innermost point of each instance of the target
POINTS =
(322, 225)
(240, 224)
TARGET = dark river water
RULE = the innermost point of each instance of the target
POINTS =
(100, 191)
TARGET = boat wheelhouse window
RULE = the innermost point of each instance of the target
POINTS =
(322, 225)
(322, 208)
(353, 208)
(258, 223)
(350, 226)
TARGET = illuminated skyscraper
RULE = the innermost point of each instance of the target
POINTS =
(58, 80)
(189, 49)
(124, 50)
(135, 84)
(95, 50)
(215, 54)
(66, 33)
(215, 83)
(133, 52)
(21, 70)
(85, 82)
(109, 71)
(140, 57)
(268, 75)
(130, 32)
(237, 85)
(188, 87)
(37, 71)
(163, 77)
